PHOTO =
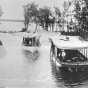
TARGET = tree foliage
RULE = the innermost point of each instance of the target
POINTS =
(45, 13)
(57, 11)
(81, 10)
(66, 6)
(41, 16)
(30, 13)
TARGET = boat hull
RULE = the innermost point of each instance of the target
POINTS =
(31, 49)
(67, 64)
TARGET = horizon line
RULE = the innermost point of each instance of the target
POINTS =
(12, 20)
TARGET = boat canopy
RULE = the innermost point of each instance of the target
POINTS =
(69, 42)
(30, 35)
(25, 34)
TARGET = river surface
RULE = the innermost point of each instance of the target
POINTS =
(22, 69)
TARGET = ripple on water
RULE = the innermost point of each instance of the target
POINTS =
(30, 57)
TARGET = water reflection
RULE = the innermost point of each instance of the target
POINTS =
(30, 57)
(74, 77)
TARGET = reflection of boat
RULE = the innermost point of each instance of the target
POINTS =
(31, 42)
(69, 51)
(30, 57)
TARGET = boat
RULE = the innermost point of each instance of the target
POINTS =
(31, 42)
(69, 51)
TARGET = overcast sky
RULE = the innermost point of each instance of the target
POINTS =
(13, 8)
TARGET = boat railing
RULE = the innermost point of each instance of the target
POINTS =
(84, 52)
(71, 63)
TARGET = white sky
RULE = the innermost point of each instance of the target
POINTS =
(13, 8)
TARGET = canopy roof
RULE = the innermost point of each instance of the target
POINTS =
(25, 34)
(69, 42)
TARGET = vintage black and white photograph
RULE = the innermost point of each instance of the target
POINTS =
(43, 43)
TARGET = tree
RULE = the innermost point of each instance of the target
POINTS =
(30, 14)
(44, 13)
(66, 6)
(81, 10)
(78, 15)
(57, 11)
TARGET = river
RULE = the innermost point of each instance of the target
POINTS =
(20, 68)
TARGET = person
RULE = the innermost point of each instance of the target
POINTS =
(27, 40)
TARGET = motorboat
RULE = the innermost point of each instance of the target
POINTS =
(69, 51)
(31, 42)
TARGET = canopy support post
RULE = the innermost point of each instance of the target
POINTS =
(56, 51)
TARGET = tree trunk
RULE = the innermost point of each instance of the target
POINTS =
(46, 26)
(36, 27)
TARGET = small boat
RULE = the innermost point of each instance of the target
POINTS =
(31, 42)
(69, 51)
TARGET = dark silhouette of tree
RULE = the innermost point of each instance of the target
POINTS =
(58, 16)
(38, 16)
(81, 10)
(57, 11)
(45, 13)
(66, 6)
(78, 16)
(51, 22)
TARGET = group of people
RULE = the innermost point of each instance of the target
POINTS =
(30, 41)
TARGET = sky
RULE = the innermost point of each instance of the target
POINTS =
(13, 8)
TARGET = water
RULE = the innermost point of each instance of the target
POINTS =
(20, 68)
(15, 26)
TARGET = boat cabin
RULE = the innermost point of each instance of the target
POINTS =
(69, 51)
(33, 40)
